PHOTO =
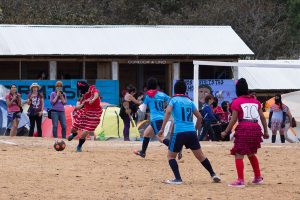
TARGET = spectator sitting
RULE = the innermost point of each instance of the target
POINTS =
(208, 118)
(225, 118)
(218, 111)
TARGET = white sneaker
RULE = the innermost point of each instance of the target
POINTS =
(174, 182)
(216, 179)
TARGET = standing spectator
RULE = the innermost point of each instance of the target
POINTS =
(277, 118)
(13, 102)
(128, 109)
(35, 111)
(58, 99)
(209, 118)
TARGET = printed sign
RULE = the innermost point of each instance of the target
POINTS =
(223, 89)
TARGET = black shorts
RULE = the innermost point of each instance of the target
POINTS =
(156, 125)
(188, 139)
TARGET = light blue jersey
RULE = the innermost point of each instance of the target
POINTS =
(156, 105)
(182, 113)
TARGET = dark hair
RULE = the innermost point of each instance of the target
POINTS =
(224, 106)
(152, 83)
(130, 88)
(216, 102)
(278, 100)
(208, 97)
(241, 87)
(180, 87)
(13, 85)
(82, 87)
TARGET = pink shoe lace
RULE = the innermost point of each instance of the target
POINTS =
(258, 180)
(237, 183)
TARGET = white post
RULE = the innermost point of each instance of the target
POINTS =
(235, 72)
(196, 85)
(52, 70)
(115, 70)
(176, 71)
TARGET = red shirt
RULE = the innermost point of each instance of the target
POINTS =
(247, 107)
(90, 95)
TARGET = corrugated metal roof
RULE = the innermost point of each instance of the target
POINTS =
(270, 78)
(120, 40)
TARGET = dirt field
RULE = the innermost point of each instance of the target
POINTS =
(109, 170)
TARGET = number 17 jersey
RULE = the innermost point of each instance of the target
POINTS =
(156, 105)
(182, 113)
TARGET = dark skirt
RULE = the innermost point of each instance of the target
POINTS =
(247, 138)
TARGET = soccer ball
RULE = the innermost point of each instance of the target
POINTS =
(59, 146)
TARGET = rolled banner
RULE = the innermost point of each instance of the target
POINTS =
(143, 107)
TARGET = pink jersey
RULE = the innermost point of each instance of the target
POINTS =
(14, 107)
(247, 108)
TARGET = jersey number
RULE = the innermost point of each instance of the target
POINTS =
(159, 105)
(250, 111)
(186, 114)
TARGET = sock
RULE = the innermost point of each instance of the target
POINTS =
(145, 144)
(81, 141)
(273, 138)
(166, 142)
(282, 138)
(206, 164)
(174, 166)
(74, 134)
(239, 164)
(255, 165)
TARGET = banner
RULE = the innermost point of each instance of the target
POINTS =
(223, 89)
(47, 86)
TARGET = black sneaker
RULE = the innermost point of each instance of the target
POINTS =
(72, 136)
(139, 153)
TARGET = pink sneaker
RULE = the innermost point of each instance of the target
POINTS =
(258, 180)
(238, 183)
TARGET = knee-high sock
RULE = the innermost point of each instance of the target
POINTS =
(174, 166)
(206, 164)
(81, 141)
(255, 165)
(239, 164)
(145, 144)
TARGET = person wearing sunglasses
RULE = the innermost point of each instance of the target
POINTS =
(58, 100)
